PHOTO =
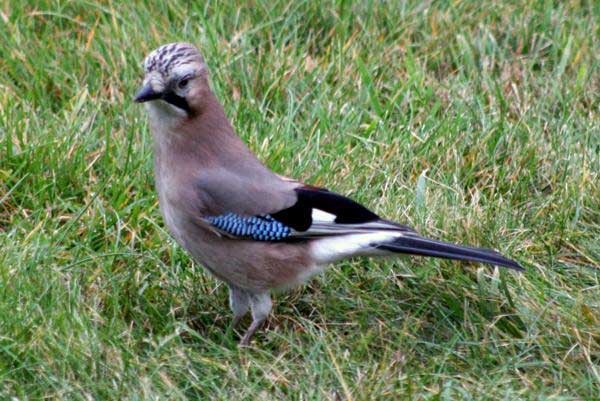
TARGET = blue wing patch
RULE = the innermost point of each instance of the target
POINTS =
(259, 228)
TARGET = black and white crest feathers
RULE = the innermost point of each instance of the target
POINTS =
(164, 59)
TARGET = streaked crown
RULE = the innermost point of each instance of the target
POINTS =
(172, 56)
(175, 82)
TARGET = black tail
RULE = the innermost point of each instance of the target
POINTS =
(416, 245)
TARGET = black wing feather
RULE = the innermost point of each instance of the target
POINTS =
(296, 222)
(347, 211)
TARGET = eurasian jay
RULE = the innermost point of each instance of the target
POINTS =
(248, 226)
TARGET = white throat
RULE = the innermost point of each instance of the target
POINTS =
(163, 115)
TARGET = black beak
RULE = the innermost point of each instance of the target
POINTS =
(146, 94)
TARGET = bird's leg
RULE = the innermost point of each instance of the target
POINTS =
(261, 307)
(239, 301)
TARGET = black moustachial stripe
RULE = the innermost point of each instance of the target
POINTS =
(299, 216)
(176, 101)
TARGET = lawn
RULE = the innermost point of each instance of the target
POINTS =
(475, 122)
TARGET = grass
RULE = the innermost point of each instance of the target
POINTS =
(476, 122)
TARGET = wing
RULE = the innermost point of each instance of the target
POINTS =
(343, 228)
(317, 212)
(221, 192)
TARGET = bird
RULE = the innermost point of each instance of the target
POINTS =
(249, 227)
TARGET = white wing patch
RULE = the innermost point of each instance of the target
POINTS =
(331, 249)
(321, 216)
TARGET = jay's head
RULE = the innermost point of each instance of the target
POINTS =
(175, 81)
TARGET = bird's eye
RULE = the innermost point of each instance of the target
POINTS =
(183, 83)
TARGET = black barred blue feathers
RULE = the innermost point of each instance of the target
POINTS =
(259, 228)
